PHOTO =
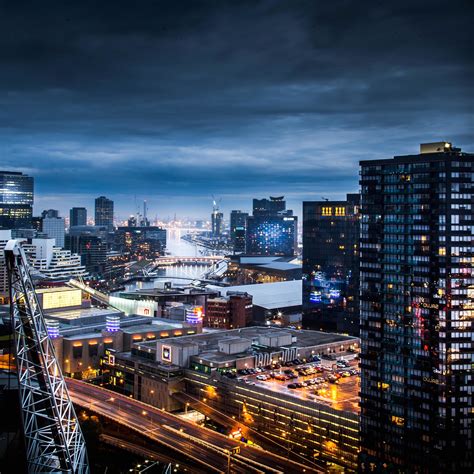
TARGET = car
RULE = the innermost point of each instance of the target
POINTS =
(261, 377)
(316, 359)
(319, 380)
(292, 376)
(354, 372)
(304, 384)
(280, 377)
(288, 371)
(258, 370)
(311, 382)
(251, 371)
(292, 385)
(346, 374)
(299, 384)
(277, 366)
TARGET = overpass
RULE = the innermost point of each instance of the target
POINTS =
(211, 450)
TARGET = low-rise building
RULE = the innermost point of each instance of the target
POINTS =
(194, 370)
(229, 312)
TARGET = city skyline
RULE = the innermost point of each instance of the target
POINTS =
(235, 100)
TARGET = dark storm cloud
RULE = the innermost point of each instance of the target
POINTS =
(187, 99)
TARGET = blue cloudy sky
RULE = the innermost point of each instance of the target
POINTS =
(177, 101)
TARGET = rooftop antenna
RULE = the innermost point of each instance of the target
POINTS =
(326, 199)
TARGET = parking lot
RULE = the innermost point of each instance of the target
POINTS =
(323, 381)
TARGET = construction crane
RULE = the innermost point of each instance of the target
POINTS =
(53, 437)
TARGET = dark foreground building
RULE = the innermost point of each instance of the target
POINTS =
(331, 265)
(416, 303)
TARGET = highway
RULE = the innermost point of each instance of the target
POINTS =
(200, 444)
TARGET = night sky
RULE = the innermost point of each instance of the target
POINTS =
(176, 101)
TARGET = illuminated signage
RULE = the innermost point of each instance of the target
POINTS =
(334, 293)
(194, 315)
(315, 297)
(61, 299)
(166, 353)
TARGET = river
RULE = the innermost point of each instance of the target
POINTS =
(178, 274)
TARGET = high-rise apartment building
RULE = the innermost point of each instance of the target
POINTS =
(16, 200)
(54, 228)
(272, 229)
(417, 311)
(51, 263)
(77, 216)
(104, 212)
(238, 226)
(331, 265)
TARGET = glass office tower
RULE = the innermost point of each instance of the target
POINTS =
(272, 229)
(16, 200)
(238, 226)
(417, 311)
(104, 212)
(77, 216)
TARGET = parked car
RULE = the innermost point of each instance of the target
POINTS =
(292, 385)
(261, 377)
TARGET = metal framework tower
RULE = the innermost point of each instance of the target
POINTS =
(54, 440)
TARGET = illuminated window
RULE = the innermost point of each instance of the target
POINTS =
(327, 211)
(398, 420)
(340, 211)
(442, 251)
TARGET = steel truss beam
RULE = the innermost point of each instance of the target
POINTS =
(54, 440)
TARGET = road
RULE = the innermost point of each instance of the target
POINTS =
(200, 444)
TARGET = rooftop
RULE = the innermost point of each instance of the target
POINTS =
(277, 295)
(304, 338)
(74, 314)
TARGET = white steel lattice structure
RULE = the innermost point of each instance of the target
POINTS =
(54, 440)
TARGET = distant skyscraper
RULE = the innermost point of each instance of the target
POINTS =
(272, 230)
(417, 312)
(16, 200)
(217, 222)
(104, 212)
(50, 213)
(54, 228)
(238, 226)
(87, 242)
(331, 265)
(271, 206)
(77, 216)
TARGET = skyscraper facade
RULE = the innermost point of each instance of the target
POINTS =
(16, 200)
(272, 229)
(417, 311)
(104, 212)
(77, 216)
(217, 223)
(238, 226)
(54, 228)
(331, 265)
